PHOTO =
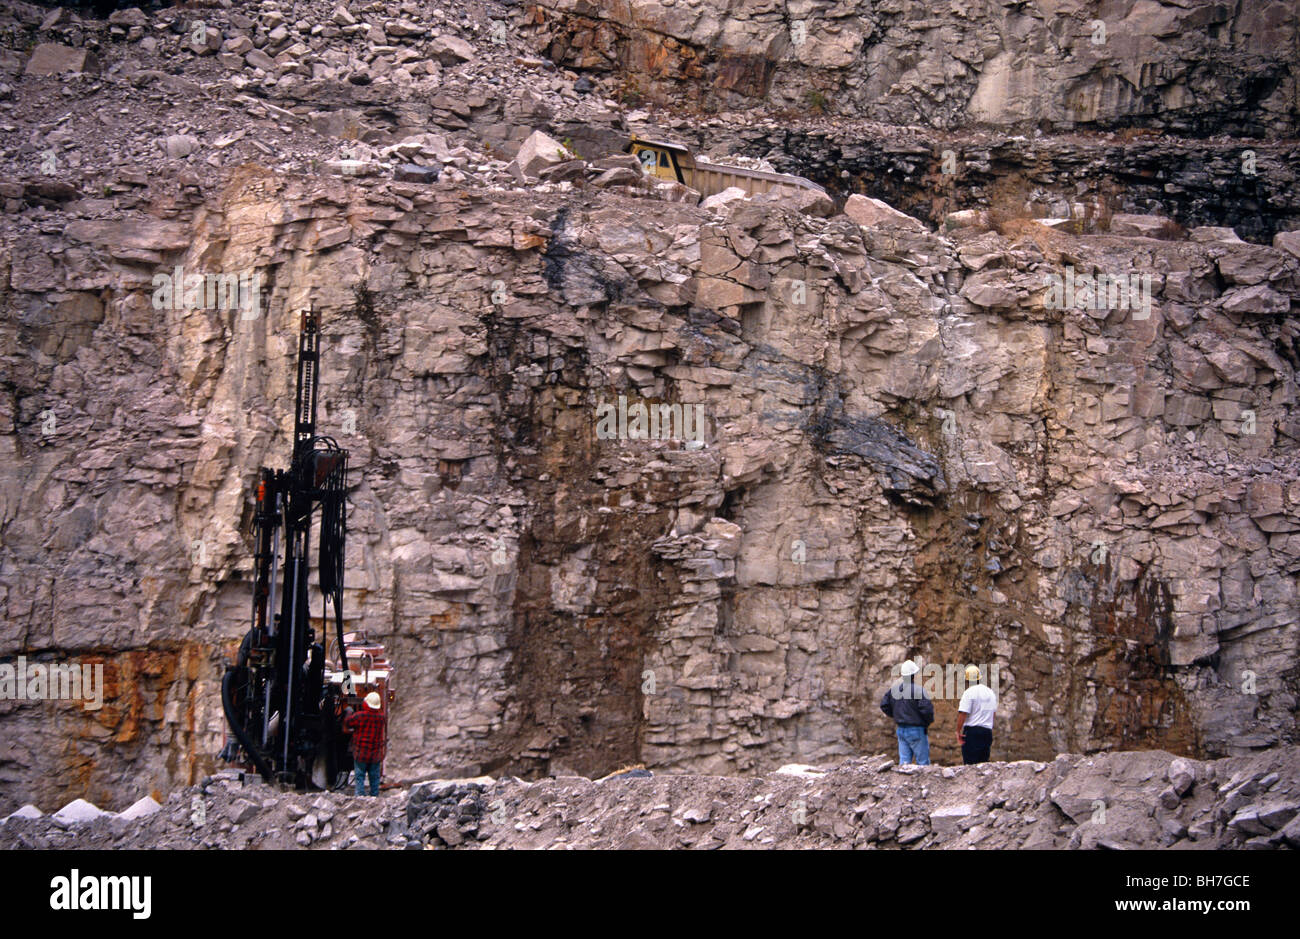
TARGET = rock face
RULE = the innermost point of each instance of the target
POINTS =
(1254, 189)
(903, 448)
(637, 479)
(1111, 801)
(1184, 68)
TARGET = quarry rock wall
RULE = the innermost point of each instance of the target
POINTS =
(906, 450)
(1186, 68)
(903, 440)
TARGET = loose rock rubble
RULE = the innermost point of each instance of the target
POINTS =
(224, 812)
(1113, 801)
(302, 86)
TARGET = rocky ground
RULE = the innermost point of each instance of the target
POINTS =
(908, 452)
(1117, 801)
(114, 107)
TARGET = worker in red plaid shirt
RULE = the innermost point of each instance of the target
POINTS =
(369, 730)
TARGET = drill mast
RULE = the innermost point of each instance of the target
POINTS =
(284, 712)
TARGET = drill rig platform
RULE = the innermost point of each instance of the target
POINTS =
(287, 692)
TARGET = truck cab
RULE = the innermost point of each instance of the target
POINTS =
(661, 159)
(673, 162)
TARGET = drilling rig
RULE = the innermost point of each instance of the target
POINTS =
(286, 693)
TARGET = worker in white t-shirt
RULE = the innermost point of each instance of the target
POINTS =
(975, 719)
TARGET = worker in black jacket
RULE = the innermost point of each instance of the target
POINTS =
(913, 711)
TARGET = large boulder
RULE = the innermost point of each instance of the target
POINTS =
(805, 201)
(50, 58)
(1181, 775)
(873, 213)
(1141, 226)
(728, 195)
(450, 50)
(179, 146)
(133, 16)
(538, 152)
(1288, 241)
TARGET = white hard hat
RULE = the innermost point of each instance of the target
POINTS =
(373, 701)
(909, 668)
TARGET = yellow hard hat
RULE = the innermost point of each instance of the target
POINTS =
(972, 673)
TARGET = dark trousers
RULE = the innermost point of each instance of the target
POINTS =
(361, 770)
(979, 740)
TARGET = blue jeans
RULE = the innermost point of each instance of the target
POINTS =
(913, 745)
(360, 770)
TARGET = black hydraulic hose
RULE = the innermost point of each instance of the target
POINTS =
(333, 538)
(228, 705)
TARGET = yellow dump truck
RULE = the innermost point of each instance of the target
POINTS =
(673, 161)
